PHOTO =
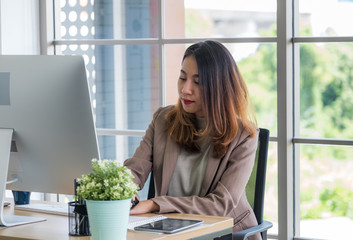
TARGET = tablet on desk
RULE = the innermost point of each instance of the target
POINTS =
(168, 225)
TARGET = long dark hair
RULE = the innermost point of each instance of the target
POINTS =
(225, 101)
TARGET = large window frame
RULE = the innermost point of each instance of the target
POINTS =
(288, 92)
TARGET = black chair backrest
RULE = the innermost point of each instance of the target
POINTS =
(255, 189)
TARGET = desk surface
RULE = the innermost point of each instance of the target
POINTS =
(56, 227)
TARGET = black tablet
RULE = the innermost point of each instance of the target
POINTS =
(168, 225)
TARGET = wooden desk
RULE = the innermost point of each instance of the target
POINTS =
(56, 228)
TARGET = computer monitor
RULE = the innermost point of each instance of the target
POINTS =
(47, 132)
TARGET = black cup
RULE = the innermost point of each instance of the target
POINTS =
(21, 197)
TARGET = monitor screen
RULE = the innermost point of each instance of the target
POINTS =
(46, 101)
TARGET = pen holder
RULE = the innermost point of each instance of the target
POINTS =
(78, 219)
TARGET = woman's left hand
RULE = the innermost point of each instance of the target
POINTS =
(144, 207)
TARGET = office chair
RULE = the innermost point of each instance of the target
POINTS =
(255, 191)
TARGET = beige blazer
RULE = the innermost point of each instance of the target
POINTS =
(223, 188)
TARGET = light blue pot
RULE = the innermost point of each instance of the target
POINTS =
(108, 219)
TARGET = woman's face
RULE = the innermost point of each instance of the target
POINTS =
(188, 87)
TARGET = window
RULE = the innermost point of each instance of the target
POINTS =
(133, 56)
(324, 117)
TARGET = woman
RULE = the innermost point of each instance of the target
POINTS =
(201, 150)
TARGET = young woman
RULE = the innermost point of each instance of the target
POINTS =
(201, 150)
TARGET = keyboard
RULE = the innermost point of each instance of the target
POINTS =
(54, 208)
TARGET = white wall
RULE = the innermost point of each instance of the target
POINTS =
(19, 26)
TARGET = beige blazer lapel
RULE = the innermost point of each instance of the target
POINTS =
(211, 170)
(169, 164)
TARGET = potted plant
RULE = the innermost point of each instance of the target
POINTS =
(108, 190)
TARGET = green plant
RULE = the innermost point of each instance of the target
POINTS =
(338, 201)
(333, 202)
(109, 181)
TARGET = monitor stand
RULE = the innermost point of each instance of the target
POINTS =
(5, 148)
